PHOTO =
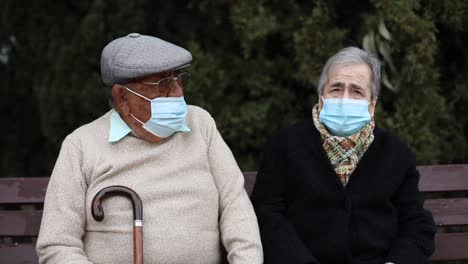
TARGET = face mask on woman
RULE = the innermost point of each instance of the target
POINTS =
(344, 117)
(167, 115)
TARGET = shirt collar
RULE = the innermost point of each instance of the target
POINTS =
(118, 127)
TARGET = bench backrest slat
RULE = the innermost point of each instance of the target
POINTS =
(249, 180)
(20, 223)
(23, 190)
(434, 178)
(20, 253)
(451, 246)
(448, 212)
(443, 178)
(32, 190)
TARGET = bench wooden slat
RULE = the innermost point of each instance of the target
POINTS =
(32, 190)
(443, 178)
(448, 212)
(23, 190)
(451, 246)
(249, 180)
(456, 249)
(20, 223)
(455, 178)
(19, 254)
(434, 179)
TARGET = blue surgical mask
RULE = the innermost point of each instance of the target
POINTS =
(167, 115)
(344, 117)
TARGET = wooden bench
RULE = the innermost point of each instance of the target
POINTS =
(445, 187)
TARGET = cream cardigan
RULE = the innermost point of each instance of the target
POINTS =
(194, 200)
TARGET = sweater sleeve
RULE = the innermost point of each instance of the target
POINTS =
(416, 228)
(237, 220)
(281, 243)
(63, 220)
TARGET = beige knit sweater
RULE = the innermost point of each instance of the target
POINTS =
(193, 197)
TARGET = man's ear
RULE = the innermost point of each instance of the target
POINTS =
(120, 100)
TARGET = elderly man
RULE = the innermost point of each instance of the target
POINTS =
(334, 189)
(171, 154)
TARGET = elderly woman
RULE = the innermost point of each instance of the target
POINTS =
(335, 189)
(171, 154)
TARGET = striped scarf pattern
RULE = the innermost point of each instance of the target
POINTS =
(344, 153)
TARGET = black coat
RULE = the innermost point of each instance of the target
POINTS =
(307, 216)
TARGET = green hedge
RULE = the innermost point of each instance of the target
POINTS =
(256, 66)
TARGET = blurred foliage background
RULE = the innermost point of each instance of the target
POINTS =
(255, 69)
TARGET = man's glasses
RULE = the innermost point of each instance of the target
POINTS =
(165, 84)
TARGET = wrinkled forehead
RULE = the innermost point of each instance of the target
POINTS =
(351, 72)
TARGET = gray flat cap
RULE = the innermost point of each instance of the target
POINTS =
(137, 55)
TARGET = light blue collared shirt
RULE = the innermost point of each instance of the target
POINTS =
(118, 127)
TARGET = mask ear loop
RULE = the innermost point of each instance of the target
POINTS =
(321, 105)
(137, 94)
(139, 121)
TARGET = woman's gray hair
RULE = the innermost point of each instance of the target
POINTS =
(351, 56)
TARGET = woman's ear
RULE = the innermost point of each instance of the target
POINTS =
(372, 105)
(120, 100)
(320, 103)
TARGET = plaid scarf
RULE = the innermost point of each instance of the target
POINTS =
(344, 153)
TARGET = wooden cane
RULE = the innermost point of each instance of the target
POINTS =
(98, 215)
